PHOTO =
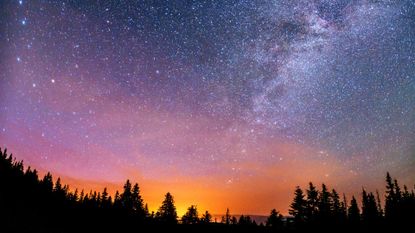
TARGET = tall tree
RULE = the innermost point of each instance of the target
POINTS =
(104, 199)
(312, 202)
(167, 212)
(206, 217)
(227, 218)
(353, 213)
(126, 197)
(117, 201)
(191, 216)
(47, 182)
(298, 207)
(390, 200)
(337, 211)
(146, 211)
(243, 220)
(137, 202)
(325, 204)
(379, 204)
(274, 220)
(343, 209)
(370, 213)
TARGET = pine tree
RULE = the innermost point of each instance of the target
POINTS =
(206, 217)
(137, 202)
(191, 216)
(227, 218)
(167, 211)
(336, 208)
(146, 211)
(379, 204)
(81, 196)
(243, 220)
(312, 202)
(298, 207)
(369, 208)
(58, 185)
(47, 182)
(390, 197)
(234, 221)
(353, 213)
(274, 220)
(105, 202)
(325, 204)
(126, 197)
(117, 201)
(343, 209)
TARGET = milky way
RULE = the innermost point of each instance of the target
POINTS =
(225, 104)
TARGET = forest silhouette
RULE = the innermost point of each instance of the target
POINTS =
(29, 203)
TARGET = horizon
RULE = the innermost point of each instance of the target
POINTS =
(223, 104)
(181, 209)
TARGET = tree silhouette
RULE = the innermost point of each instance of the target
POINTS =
(105, 199)
(370, 213)
(234, 220)
(127, 197)
(312, 202)
(244, 221)
(390, 198)
(137, 202)
(227, 218)
(146, 211)
(47, 206)
(275, 219)
(298, 207)
(338, 209)
(47, 182)
(379, 204)
(206, 217)
(167, 212)
(191, 216)
(325, 204)
(117, 201)
(354, 213)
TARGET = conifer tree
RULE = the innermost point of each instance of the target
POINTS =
(137, 202)
(274, 220)
(353, 213)
(312, 202)
(227, 218)
(369, 208)
(206, 217)
(325, 204)
(126, 197)
(390, 197)
(191, 216)
(298, 206)
(167, 211)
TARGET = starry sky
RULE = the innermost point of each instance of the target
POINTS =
(223, 103)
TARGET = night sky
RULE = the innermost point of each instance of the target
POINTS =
(223, 103)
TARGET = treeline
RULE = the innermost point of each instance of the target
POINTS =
(32, 204)
(316, 208)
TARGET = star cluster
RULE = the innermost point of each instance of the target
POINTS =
(220, 102)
